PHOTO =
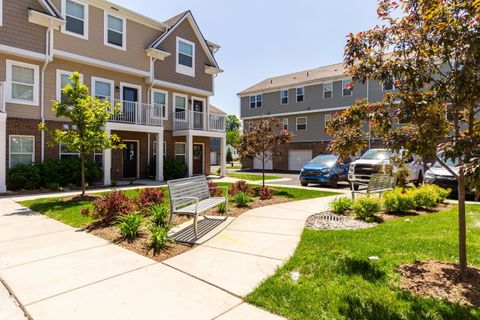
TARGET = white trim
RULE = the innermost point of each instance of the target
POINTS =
(130, 127)
(282, 97)
(36, 83)
(22, 52)
(105, 31)
(10, 148)
(133, 86)
(306, 123)
(203, 155)
(294, 113)
(343, 88)
(204, 112)
(154, 153)
(58, 90)
(174, 108)
(152, 100)
(328, 117)
(181, 154)
(324, 91)
(297, 95)
(85, 19)
(285, 123)
(1, 13)
(198, 133)
(138, 158)
(180, 68)
(99, 63)
(256, 101)
(181, 87)
(94, 79)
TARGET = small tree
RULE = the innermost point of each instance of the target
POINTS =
(88, 115)
(262, 141)
(232, 128)
(229, 156)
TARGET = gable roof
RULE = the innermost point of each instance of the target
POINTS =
(297, 78)
(50, 8)
(216, 110)
(174, 22)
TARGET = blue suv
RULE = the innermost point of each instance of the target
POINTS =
(325, 169)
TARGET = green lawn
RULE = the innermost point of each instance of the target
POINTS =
(338, 281)
(252, 177)
(69, 212)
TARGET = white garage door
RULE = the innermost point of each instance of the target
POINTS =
(298, 158)
(257, 164)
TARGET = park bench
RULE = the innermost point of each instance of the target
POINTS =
(191, 196)
(378, 183)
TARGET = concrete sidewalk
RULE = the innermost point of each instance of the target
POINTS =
(57, 272)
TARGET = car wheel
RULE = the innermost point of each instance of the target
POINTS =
(419, 179)
(304, 184)
(334, 182)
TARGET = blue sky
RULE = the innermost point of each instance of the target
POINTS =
(264, 38)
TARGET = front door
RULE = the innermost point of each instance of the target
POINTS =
(198, 159)
(130, 160)
(130, 101)
(198, 114)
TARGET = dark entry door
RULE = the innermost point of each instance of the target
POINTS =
(130, 101)
(198, 159)
(198, 114)
(130, 160)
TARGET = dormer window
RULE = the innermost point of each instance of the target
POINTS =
(76, 16)
(115, 31)
(185, 57)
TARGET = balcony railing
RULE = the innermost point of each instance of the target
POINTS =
(138, 113)
(192, 120)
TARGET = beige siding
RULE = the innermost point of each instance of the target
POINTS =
(166, 70)
(17, 31)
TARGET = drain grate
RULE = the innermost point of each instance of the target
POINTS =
(332, 218)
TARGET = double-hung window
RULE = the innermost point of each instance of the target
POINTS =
(302, 124)
(180, 107)
(328, 90)
(256, 101)
(76, 17)
(181, 151)
(103, 88)
(66, 153)
(21, 150)
(115, 31)
(159, 99)
(346, 87)
(300, 94)
(388, 86)
(285, 123)
(284, 97)
(328, 117)
(185, 57)
(22, 83)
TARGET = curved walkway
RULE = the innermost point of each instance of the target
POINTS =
(56, 272)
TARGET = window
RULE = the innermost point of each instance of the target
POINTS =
(155, 148)
(21, 150)
(103, 88)
(76, 16)
(284, 97)
(159, 99)
(302, 124)
(328, 117)
(22, 83)
(180, 151)
(115, 31)
(256, 101)
(185, 57)
(346, 87)
(285, 123)
(180, 106)
(63, 78)
(388, 86)
(65, 153)
(300, 94)
(328, 90)
(98, 158)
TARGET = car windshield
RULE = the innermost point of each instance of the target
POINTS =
(328, 159)
(452, 163)
(376, 154)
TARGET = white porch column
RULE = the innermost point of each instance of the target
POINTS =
(107, 163)
(189, 148)
(159, 160)
(223, 156)
(3, 152)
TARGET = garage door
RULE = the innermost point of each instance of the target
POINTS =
(257, 164)
(298, 158)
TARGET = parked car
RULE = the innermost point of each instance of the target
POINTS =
(438, 175)
(325, 169)
(374, 160)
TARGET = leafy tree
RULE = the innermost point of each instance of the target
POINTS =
(232, 128)
(229, 156)
(262, 141)
(88, 115)
(430, 54)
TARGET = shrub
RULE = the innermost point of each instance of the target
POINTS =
(174, 169)
(130, 224)
(158, 238)
(215, 191)
(442, 194)
(365, 208)
(266, 193)
(150, 197)
(425, 197)
(341, 205)
(222, 208)
(242, 199)
(160, 215)
(24, 177)
(240, 186)
(398, 201)
(111, 205)
(85, 212)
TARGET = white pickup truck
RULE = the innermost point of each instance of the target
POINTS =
(372, 162)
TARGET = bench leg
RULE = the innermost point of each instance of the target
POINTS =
(170, 220)
(195, 226)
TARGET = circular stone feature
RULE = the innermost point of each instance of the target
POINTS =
(330, 221)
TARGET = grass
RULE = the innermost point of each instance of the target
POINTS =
(252, 177)
(338, 281)
(69, 212)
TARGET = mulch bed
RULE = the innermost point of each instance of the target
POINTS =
(442, 281)
(385, 216)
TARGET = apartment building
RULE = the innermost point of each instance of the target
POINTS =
(161, 73)
(304, 102)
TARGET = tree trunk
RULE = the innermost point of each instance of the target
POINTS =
(462, 229)
(82, 160)
(263, 170)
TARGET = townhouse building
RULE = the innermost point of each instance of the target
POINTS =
(304, 102)
(161, 73)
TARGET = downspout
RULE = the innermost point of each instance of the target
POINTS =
(48, 59)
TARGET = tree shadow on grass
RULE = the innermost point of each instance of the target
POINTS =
(361, 267)
(57, 205)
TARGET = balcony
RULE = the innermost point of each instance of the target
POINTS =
(192, 120)
(138, 113)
